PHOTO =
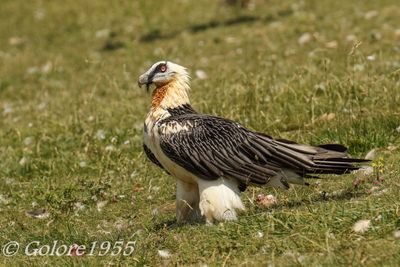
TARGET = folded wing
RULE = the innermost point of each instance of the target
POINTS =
(212, 147)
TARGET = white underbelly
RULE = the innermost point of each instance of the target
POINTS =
(152, 141)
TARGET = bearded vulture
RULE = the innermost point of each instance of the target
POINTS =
(213, 159)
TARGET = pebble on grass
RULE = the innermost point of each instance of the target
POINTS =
(361, 226)
(396, 234)
(101, 204)
(201, 74)
(266, 201)
(38, 213)
(304, 38)
(164, 254)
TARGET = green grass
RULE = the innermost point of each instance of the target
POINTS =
(68, 73)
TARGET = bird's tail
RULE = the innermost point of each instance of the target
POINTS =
(306, 160)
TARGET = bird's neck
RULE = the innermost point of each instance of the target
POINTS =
(170, 96)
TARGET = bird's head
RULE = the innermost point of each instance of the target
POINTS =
(171, 83)
(163, 73)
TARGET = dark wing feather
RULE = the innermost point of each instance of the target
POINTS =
(212, 147)
(151, 156)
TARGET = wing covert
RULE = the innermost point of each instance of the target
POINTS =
(212, 147)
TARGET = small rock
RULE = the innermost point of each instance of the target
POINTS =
(4, 200)
(327, 117)
(361, 226)
(47, 67)
(7, 109)
(358, 67)
(23, 161)
(79, 206)
(371, 154)
(163, 253)
(260, 234)
(82, 164)
(16, 41)
(371, 14)
(201, 74)
(103, 33)
(396, 234)
(371, 57)
(101, 204)
(397, 33)
(39, 14)
(266, 201)
(304, 38)
(28, 141)
(331, 44)
(38, 213)
(351, 38)
(101, 135)
(366, 170)
(110, 148)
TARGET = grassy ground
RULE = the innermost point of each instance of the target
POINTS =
(71, 121)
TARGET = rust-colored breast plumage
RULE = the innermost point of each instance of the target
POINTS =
(158, 96)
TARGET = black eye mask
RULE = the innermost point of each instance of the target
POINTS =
(154, 72)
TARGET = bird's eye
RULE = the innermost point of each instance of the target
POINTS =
(163, 68)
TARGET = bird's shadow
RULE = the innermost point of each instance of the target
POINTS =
(347, 194)
(156, 34)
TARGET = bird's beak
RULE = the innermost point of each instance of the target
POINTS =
(144, 80)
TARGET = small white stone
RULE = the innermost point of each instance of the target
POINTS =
(82, 164)
(47, 67)
(32, 70)
(371, 57)
(361, 226)
(163, 253)
(304, 38)
(16, 40)
(28, 141)
(266, 201)
(110, 148)
(101, 134)
(331, 44)
(366, 170)
(23, 161)
(4, 200)
(7, 109)
(397, 33)
(351, 38)
(371, 14)
(371, 154)
(260, 234)
(358, 67)
(42, 106)
(103, 33)
(396, 234)
(39, 14)
(201, 74)
(79, 206)
(101, 204)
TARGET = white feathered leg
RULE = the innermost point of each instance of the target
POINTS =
(219, 199)
(187, 202)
